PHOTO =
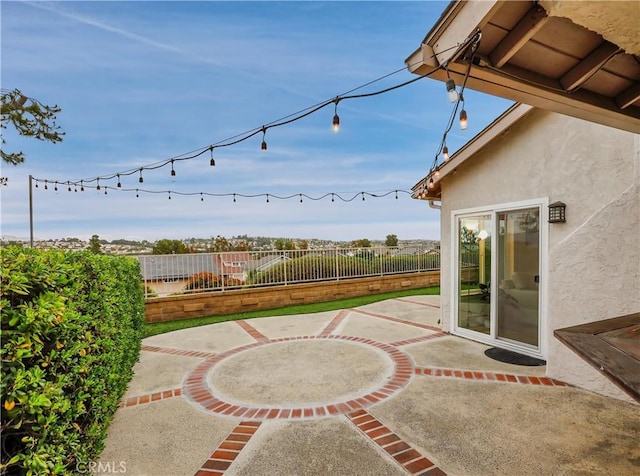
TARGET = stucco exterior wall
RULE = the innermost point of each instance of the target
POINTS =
(593, 267)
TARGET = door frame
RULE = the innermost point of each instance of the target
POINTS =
(541, 203)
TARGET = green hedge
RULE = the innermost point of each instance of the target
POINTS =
(321, 267)
(71, 332)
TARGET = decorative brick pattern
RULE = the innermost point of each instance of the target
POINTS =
(401, 321)
(229, 449)
(489, 376)
(182, 352)
(402, 452)
(335, 322)
(252, 331)
(196, 390)
(151, 397)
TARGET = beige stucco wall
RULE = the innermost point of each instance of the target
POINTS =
(593, 270)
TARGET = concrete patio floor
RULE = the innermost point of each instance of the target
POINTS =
(375, 390)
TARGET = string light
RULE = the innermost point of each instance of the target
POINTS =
(68, 186)
(263, 146)
(472, 40)
(452, 94)
(445, 153)
(55, 187)
(463, 120)
(46, 187)
(268, 196)
(98, 180)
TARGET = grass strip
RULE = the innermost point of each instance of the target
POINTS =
(163, 327)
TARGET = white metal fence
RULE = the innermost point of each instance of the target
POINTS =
(166, 275)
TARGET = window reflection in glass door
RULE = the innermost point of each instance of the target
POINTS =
(474, 273)
(518, 274)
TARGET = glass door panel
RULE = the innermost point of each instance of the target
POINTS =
(474, 273)
(518, 274)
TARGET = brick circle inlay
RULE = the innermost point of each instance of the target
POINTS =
(387, 381)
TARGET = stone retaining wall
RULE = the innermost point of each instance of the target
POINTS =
(240, 300)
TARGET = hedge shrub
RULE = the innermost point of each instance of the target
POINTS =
(206, 281)
(71, 333)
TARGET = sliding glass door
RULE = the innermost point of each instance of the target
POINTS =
(518, 275)
(497, 276)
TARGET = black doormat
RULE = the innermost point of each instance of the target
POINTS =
(509, 357)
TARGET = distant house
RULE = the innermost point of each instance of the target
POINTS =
(513, 274)
(232, 264)
(168, 274)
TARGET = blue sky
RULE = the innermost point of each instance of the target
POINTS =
(141, 82)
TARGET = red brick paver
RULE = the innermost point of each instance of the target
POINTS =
(229, 449)
(402, 452)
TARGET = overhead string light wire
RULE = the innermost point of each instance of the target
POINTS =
(434, 171)
(288, 119)
(344, 197)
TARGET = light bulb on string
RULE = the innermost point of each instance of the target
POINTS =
(119, 185)
(36, 184)
(336, 118)
(452, 94)
(68, 186)
(445, 153)
(463, 120)
(137, 196)
(463, 114)
(362, 196)
(300, 198)
(436, 174)
(141, 180)
(105, 190)
(169, 195)
(46, 187)
(173, 172)
(98, 181)
(267, 198)
(212, 162)
(332, 199)
(263, 146)
(55, 186)
(81, 186)
(396, 194)
(431, 183)
(201, 197)
(234, 198)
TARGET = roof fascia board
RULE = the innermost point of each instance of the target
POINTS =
(580, 104)
(461, 19)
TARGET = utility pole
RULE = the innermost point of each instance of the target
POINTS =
(31, 210)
